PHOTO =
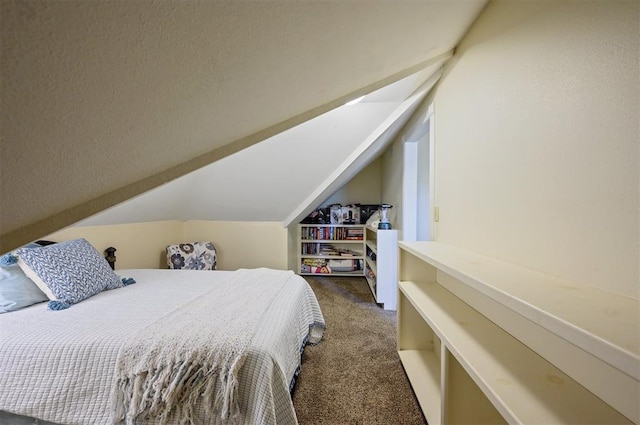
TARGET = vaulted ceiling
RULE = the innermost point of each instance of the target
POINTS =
(104, 101)
(283, 177)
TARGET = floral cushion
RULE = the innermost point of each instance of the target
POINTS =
(192, 256)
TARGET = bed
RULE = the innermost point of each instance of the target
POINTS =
(70, 366)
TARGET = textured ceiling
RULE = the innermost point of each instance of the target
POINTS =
(102, 101)
(275, 178)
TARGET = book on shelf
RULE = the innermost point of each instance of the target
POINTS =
(332, 233)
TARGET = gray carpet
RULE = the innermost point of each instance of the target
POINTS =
(354, 375)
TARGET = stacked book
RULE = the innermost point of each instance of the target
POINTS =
(355, 233)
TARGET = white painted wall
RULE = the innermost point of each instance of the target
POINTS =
(537, 140)
(254, 184)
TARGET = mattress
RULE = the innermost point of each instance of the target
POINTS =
(58, 366)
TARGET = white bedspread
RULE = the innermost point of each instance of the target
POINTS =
(59, 365)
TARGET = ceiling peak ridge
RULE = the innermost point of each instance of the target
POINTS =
(394, 78)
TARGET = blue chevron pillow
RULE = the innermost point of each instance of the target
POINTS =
(68, 272)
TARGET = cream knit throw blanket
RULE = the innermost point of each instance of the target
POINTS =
(193, 354)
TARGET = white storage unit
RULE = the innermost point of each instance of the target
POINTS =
(381, 266)
(331, 249)
(485, 341)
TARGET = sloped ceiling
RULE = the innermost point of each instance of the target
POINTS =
(283, 177)
(102, 101)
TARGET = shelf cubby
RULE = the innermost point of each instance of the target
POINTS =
(381, 268)
(496, 364)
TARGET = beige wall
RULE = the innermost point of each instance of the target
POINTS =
(243, 244)
(537, 140)
(363, 188)
(141, 245)
(393, 165)
(391, 185)
(293, 247)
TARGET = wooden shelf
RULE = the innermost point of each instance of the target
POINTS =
(603, 323)
(333, 257)
(423, 369)
(384, 244)
(525, 366)
(372, 265)
(371, 283)
(311, 237)
(372, 246)
(356, 273)
(333, 241)
(504, 369)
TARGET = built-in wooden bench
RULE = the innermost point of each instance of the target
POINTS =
(485, 341)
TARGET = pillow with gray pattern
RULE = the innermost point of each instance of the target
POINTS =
(68, 272)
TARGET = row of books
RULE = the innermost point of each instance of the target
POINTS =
(371, 254)
(332, 233)
(327, 250)
(324, 266)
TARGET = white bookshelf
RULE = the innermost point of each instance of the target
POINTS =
(381, 265)
(484, 341)
(331, 244)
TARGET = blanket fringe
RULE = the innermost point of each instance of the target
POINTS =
(158, 393)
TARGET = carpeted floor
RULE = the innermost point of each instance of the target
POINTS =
(354, 375)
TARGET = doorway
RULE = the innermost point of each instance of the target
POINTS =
(418, 181)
